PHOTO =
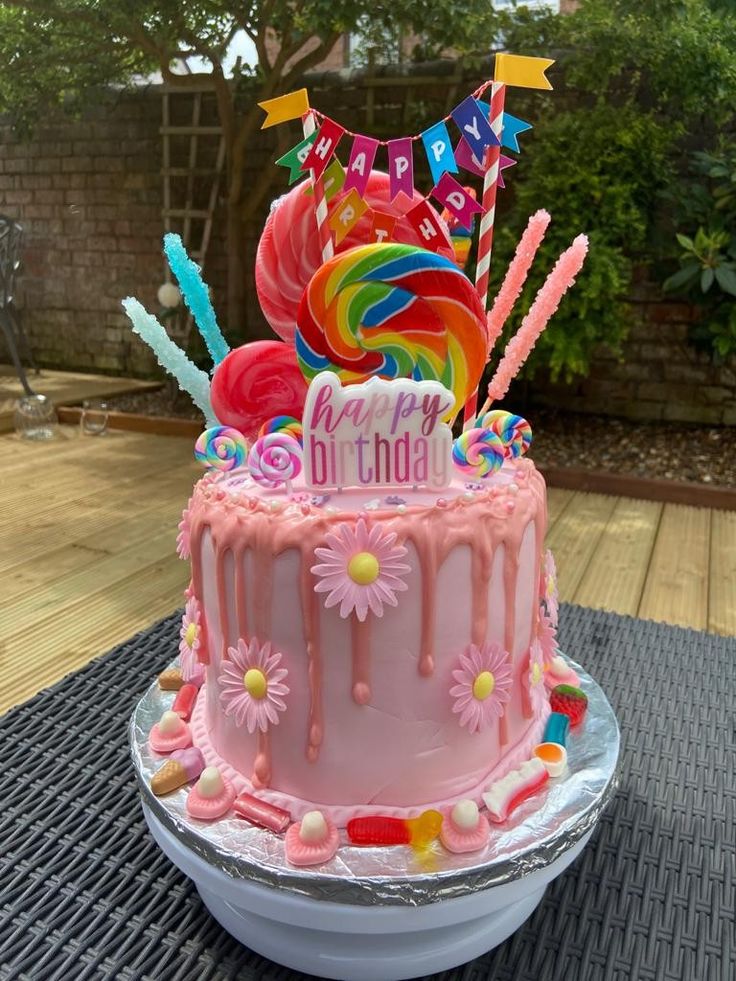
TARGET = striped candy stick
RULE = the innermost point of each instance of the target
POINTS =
(309, 125)
(487, 219)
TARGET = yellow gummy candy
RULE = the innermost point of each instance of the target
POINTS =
(424, 829)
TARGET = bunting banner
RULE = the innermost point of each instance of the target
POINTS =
(477, 151)
(382, 227)
(321, 151)
(361, 161)
(400, 167)
(438, 148)
(346, 214)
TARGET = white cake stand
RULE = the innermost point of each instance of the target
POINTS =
(370, 916)
(361, 943)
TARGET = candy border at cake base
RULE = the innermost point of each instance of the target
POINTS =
(541, 830)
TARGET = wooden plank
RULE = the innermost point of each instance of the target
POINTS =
(722, 573)
(574, 538)
(53, 647)
(557, 501)
(614, 578)
(676, 590)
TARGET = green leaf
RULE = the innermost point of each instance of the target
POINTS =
(706, 279)
(682, 278)
(726, 278)
(686, 243)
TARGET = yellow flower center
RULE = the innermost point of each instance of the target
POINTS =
(483, 685)
(363, 568)
(191, 635)
(255, 683)
(536, 674)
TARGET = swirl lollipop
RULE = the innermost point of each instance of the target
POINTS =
(396, 311)
(283, 424)
(515, 431)
(478, 452)
(275, 459)
(289, 252)
(221, 448)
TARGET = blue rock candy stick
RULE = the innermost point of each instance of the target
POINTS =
(172, 358)
(556, 729)
(195, 295)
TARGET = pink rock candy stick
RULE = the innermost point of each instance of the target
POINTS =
(516, 274)
(545, 304)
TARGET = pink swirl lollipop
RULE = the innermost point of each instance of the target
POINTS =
(289, 252)
(515, 431)
(275, 459)
(478, 452)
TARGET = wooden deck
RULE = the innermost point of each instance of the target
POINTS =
(63, 388)
(88, 525)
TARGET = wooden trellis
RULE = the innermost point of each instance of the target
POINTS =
(193, 164)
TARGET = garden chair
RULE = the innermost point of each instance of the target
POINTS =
(11, 239)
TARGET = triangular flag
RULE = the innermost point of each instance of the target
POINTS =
(382, 227)
(521, 71)
(323, 148)
(458, 200)
(295, 157)
(346, 214)
(333, 180)
(511, 129)
(289, 106)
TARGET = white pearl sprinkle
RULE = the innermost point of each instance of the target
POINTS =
(210, 782)
(169, 723)
(313, 827)
(465, 815)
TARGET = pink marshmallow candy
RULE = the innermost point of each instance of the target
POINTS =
(560, 673)
(312, 841)
(211, 797)
(464, 829)
(169, 733)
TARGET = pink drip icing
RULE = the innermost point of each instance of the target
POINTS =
(361, 660)
(237, 522)
(310, 615)
(262, 765)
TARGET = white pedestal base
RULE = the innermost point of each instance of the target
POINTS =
(361, 943)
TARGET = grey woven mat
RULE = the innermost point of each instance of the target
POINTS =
(85, 892)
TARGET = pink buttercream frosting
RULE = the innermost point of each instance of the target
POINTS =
(369, 726)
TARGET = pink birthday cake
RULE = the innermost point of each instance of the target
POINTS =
(369, 636)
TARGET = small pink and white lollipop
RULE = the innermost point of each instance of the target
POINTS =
(275, 459)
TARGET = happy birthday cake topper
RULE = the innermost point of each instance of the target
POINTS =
(377, 434)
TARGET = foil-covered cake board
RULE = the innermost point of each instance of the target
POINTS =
(383, 913)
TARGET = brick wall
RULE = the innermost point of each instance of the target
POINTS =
(89, 194)
(658, 376)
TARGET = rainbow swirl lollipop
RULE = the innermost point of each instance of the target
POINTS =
(515, 431)
(396, 311)
(275, 459)
(478, 452)
(283, 424)
(221, 448)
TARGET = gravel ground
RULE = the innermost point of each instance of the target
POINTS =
(674, 451)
